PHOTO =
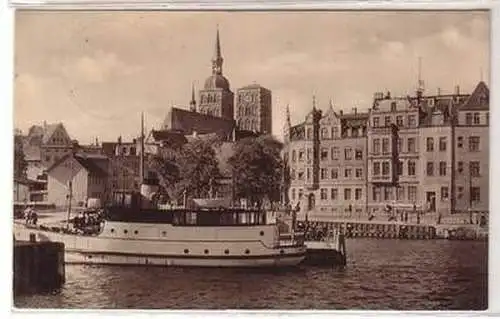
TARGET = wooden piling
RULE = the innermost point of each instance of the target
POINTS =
(38, 266)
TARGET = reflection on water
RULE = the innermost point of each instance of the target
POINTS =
(381, 274)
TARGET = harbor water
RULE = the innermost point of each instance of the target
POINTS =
(381, 274)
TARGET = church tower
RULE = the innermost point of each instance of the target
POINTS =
(216, 98)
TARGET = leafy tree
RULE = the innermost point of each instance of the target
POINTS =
(257, 169)
(20, 164)
(167, 170)
(198, 169)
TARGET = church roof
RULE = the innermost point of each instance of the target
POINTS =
(189, 122)
(478, 100)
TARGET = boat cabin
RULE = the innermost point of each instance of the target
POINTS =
(126, 207)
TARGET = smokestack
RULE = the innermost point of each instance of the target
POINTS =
(457, 90)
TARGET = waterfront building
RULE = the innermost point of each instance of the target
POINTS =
(80, 175)
(471, 148)
(326, 160)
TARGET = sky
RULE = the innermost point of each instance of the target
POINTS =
(97, 71)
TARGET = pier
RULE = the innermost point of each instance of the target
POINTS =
(38, 266)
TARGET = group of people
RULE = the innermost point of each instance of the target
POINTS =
(30, 215)
(313, 231)
(87, 219)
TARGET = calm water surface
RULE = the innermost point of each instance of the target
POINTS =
(381, 274)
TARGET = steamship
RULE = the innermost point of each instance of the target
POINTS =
(135, 231)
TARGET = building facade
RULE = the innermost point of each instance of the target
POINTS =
(254, 109)
(326, 157)
(83, 176)
(423, 152)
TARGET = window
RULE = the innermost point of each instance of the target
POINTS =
(474, 169)
(411, 145)
(442, 144)
(334, 193)
(309, 133)
(430, 144)
(309, 153)
(442, 168)
(323, 194)
(335, 173)
(399, 120)
(412, 193)
(359, 172)
(348, 173)
(376, 146)
(411, 168)
(335, 132)
(301, 155)
(400, 144)
(294, 156)
(358, 193)
(400, 193)
(348, 153)
(358, 155)
(292, 174)
(475, 194)
(430, 169)
(412, 121)
(324, 173)
(301, 176)
(444, 193)
(347, 194)
(376, 194)
(460, 192)
(400, 168)
(293, 193)
(473, 143)
(387, 121)
(477, 119)
(460, 167)
(324, 154)
(393, 106)
(335, 153)
(385, 145)
(460, 142)
(324, 133)
(387, 193)
(376, 168)
(468, 118)
(301, 193)
(385, 168)
(376, 122)
(308, 171)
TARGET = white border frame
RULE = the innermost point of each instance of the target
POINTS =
(6, 104)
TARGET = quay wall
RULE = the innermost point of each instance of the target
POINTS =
(38, 266)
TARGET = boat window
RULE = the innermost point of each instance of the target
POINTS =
(191, 218)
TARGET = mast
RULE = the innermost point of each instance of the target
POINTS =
(141, 160)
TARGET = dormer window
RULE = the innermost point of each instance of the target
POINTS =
(393, 107)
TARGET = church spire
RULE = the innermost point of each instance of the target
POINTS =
(217, 59)
(288, 122)
(192, 103)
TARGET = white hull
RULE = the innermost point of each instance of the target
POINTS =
(179, 251)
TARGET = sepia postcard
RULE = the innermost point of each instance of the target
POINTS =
(279, 160)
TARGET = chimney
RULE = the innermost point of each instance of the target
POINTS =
(341, 112)
(355, 110)
(388, 95)
(439, 92)
(457, 90)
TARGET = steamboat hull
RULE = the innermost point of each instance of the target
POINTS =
(102, 250)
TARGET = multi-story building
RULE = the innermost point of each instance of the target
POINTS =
(424, 152)
(471, 147)
(326, 156)
(254, 109)
(393, 145)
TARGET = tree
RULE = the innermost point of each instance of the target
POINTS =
(198, 169)
(20, 164)
(167, 170)
(257, 169)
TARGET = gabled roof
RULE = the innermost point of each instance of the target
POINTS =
(88, 161)
(478, 100)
